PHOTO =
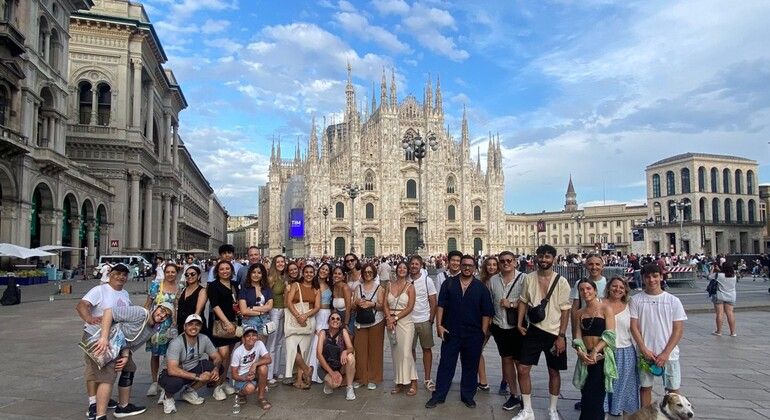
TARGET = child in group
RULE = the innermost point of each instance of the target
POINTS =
(248, 368)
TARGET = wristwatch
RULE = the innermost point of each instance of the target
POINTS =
(197, 378)
(510, 304)
(562, 335)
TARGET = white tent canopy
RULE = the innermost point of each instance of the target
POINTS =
(11, 250)
(61, 248)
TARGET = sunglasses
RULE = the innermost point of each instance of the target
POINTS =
(506, 260)
(368, 272)
(190, 274)
(349, 261)
(468, 266)
(335, 319)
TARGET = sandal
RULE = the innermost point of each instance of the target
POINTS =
(396, 390)
(412, 391)
(716, 333)
(430, 385)
(264, 404)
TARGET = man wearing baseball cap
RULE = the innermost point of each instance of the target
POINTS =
(248, 368)
(191, 362)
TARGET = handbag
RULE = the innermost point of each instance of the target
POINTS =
(537, 313)
(291, 326)
(268, 328)
(220, 327)
(512, 314)
(712, 287)
(366, 316)
(116, 341)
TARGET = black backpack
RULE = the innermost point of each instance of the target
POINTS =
(11, 295)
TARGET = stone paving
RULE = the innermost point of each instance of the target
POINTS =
(42, 375)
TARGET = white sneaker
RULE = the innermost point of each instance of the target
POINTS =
(356, 385)
(350, 395)
(371, 386)
(192, 397)
(169, 405)
(553, 415)
(229, 390)
(153, 390)
(525, 414)
(161, 396)
(327, 390)
(272, 382)
(219, 393)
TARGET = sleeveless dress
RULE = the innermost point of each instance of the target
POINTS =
(625, 397)
(186, 307)
(404, 371)
(321, 323)
(158, 343)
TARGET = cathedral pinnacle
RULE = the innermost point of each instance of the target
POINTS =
(428, 97)
(313, 146)
(374, 99)
(393, 97)
(439, 102)
(464, 140)
(383, 90)
(350, 95)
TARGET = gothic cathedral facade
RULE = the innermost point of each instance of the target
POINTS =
(305, 209)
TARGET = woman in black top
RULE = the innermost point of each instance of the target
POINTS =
(222, 298)
(336, 360)
(192, 299)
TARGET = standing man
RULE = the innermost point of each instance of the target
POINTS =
(657, 325)
(506, 288)
(226, 253)
(463, 313)
(254, 257)
(547, 336)
(423, 314)
(191, 362)
(383, 271)
(90, 309)
(452, 270)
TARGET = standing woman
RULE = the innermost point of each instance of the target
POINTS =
(164, 290)
(298, 344)
(724, 300)
(192, 299)
(322, 317)
(594, 344)
(369, 297)
(255, 299)
(489, 268)
(352, 269)
(624, 397)
(223, 300)
(341, 298)
(292, 273)
(398, 318)
(277, 284)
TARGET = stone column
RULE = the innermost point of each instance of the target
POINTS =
(166, 221)
(166, 149)
(47, 45)
(148, 214)
(75, 243)
(51, 132)
(90, 238)
(133, 212)
(33, 130)
(136, 114)
(150, 112)
(174, 221)
(175, 148)
(104, 238)
(94, 106)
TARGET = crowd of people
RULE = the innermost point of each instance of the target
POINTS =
(243, 327)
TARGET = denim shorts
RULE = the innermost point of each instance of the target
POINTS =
(239, 385)
(672, 377)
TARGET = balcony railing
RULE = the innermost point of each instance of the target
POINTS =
(675, 223)
(13, 39)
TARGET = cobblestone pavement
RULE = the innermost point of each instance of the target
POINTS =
(42, 375)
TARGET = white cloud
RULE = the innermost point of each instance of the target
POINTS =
(360, 26)
(425, 24)
(184, 8)
(386, 7)
(224, 44)
(212, 26)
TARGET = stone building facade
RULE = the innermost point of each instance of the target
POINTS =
(462, 204)
(700, 202)
(764, 197)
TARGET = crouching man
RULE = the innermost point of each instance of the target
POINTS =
(191, 362)
(137, 325)
(248, 368)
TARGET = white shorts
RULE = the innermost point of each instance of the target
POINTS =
(672, 377)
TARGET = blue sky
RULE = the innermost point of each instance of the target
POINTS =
(597, 89)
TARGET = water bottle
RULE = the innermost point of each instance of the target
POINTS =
(236, 406)
(392, 336)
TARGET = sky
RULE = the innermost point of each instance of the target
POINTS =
(593, 89)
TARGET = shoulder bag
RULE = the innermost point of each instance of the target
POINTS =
(366, 316)
(291, 325)
(713, 286)
(512, 314)
(117, 340)
(220, 330)
(537, 313)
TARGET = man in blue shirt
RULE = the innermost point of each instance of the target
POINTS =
(463, 314)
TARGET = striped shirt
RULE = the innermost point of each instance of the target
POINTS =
(132, 320)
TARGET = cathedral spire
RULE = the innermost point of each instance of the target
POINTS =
(428, 97)
(350, 94)
(324, 143)
(278, 151)
(297, 157)
(374, 99)
(272, 152)
(439, 102)
(464, 140)
(570, 202)
(383, 90)
(313, 146)
(491, 154)
(393, 96)
(478, 159)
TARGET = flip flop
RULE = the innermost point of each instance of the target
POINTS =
(430, 385)
(264, 404)
(396, 390)
(412, 391)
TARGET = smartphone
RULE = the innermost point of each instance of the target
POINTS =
(553, 350)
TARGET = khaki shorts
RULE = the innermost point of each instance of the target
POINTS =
(107, 374)
(424, 332)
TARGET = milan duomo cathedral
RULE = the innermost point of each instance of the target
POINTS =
(305, 210)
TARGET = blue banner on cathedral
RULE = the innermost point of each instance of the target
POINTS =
(297, 223)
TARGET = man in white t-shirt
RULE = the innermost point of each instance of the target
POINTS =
(248, 368)
(90, 309)
(423, 313)
(452, 270)
(657, 325)
(594, 265)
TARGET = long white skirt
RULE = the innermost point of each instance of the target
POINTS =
(321, 323)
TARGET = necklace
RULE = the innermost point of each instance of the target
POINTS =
(591, 323)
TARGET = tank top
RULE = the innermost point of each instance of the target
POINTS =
(623, 329)
(592, 327)
(326, 297)
(279, 287)
(370, 295)
(308, 294)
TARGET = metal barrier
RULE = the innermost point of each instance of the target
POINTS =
(574, 272)
(682, 274)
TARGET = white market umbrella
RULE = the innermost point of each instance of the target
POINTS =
(11, 250)
(196, 251)
(60, 248)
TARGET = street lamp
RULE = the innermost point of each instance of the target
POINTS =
(681, 205)
(578, 218)
(413, 143)
(352, 191)
(325, 210)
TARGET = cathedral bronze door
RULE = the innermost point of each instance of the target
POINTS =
(410, 240)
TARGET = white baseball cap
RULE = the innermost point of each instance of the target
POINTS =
(193, 317)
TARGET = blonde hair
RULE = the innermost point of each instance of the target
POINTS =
(273, 275)
(624, 299)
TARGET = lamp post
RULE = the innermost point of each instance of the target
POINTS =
(414, 143)
(324, 210)
(352, 191)
(681, 205)
(578, 218)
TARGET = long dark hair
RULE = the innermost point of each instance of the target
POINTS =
(728, 269)
(315, 282)
(262, 282)
(286, 272)
(216, 269)
(345, 264)
(400, 263)
(329, 281)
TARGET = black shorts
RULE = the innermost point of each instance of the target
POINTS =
(173, 384)
(537, 341)
(508, 341)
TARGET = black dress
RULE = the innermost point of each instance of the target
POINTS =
(221, 296)
(186, 307)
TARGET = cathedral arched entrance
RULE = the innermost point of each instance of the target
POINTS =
(410, 240)
(339, 246)
(478, 245)
(369, 247)
(451, 245)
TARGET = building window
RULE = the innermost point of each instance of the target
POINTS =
(339, 210)
(670, 183)
(450, 212)
(566, 225)
(450, 184)
(409, 155)
(739, 210)
(656, 186)
(687, 210)
(411, 189)
(604, 224)
(54, 47)
(750, 182)
(42, 35)
(592, 238)
(4, 102)
(702, 209)
(701, 179)
(85, 102)
(590, 224)
(477, 213)
(369, 181)
(618, 238)
(728, 210)
(618, 223)
(6, 9)
(715, 210)
(369, 247)
(671, 211)
(104, 98)
(451, 245)
(566, 239)
(714, 180)
(739, 181)
(339, 246)
(369, 211)
(685, 179)
(726, 181)
(752, 211)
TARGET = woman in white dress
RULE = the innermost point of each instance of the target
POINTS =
(400, 330)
